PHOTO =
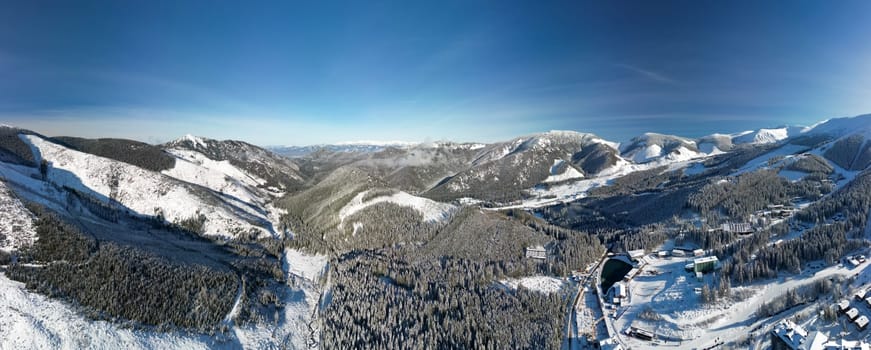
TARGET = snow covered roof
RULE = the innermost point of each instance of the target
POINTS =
(862, 321)
(790, 333)
(853, 313)
(843, 305)
(706, 259)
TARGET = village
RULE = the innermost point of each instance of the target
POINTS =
(644, 299)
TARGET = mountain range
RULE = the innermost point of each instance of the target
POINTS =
(281, 241)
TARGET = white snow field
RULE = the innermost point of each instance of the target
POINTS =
(16, 225)
(33, 321)
(664, 287)
(429, 209)
(543, 284)
(144, 192)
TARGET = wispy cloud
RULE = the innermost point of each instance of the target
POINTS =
(648, 74)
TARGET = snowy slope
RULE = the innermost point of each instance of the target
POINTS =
(543, 284)
(662, 148)
(765, 136)
(219, 176)
(429, 209)
(16, 224)
(32, 321)
(144, 192)
(560, 172)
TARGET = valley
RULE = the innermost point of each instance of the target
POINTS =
(201, 243)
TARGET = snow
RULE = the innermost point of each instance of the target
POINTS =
(694, 169)
(647, 154)
(669, 293)
(568, 174)
(761, 136)
(543, 284)
(16, 223)
(429, 209)
(792, 175)
(32, 321)
(141, 191)
(761, 162)
(198, 142)
(219, 176)
(307, 266)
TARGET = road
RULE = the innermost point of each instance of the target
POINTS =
(571, 329)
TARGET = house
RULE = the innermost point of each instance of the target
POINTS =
(662, 254)
(678, 253)
(788, 336)
(642, 334)
(843, 345)
(698, 253)
(739, 228)
(536, 252)
(705, 264)
(636, 254)
(868, 301)
(852, 313)
(860, 294)
(843, 305)
(862, 322)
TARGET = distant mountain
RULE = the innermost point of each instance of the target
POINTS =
(346, 147)
(276, 171)
(502, 170)
(653, 146)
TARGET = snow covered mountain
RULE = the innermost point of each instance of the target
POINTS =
(142, 191)
(266, 169)
(286, 247)
(502, 169)
(344, 147)
(652, 147)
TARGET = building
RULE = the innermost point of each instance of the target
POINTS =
(843, 345)
(868, 301)
(636, 254)
(698, 253)
(860, 294)
(788, 336)
(536, 252)
(852, 313)
(736, 227)
(639, 333)
(862, 322)
(678, 253)
(705, 264)
(843, 305)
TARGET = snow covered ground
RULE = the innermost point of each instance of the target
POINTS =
(307, 266)
(688, 323)
(429, 209)
(16, 224)
(32, 321)
(568, 173)
(219, 176)
(544, 284)
(142, 191)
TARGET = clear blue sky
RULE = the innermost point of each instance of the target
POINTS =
(323, 71)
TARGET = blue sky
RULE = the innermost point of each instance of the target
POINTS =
(307, 72)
